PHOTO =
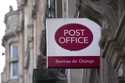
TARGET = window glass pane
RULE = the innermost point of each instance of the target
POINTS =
(59, 8)
(14, 52)
(14, 70)
(51, 8)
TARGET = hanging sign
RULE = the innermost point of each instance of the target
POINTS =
(72, 43)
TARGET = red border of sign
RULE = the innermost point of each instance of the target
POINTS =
(73, 61)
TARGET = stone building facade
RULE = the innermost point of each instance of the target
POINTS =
(25, 42)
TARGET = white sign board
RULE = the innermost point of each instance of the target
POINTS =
(72, 43)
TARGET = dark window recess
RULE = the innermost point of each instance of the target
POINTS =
(50, 8)
(54, 9)
(43, 43)
(46, 76)
(121, 79)
(59, 8)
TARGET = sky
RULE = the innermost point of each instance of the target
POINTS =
(4, 8)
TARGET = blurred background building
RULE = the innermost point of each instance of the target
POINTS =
(25, 42)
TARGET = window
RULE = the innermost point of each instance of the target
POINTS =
(59, 12)
(50, 8)
(54, 8)
(14, 70)
(14, 66)
(14, 52)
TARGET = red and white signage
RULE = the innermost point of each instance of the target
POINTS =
(72, 43)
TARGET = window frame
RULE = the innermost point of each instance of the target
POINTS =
(14, 60)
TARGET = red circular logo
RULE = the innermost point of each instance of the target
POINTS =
(73, 37)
